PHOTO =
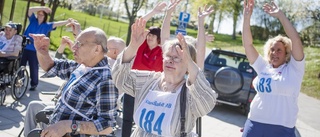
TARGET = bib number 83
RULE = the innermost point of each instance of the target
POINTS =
(264, 85)
(146, 121)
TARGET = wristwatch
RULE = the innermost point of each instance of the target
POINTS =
(75, 127)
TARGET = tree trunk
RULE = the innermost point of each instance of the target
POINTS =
(137, 4)
(211, 25)
(1, 10)
(236, 13)
(55, 5)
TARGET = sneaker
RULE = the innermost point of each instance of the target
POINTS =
(32, 88)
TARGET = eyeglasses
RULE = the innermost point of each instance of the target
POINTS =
(78, 44)
(40, 15)
(174, 59)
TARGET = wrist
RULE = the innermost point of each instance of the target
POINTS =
(75, 127)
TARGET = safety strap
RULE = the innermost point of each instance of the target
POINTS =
(70, 107)
(183, 101)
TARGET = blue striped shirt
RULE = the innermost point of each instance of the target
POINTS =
(94, 95)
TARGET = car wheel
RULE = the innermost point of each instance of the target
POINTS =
(228, 81)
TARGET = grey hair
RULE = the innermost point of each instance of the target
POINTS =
(118, 40)
(170, 43)
(99, 36)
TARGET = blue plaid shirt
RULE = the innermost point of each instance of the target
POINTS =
(94, 95)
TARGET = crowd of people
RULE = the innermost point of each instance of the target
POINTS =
(165, 89)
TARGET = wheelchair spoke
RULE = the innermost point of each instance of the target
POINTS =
(20, 83)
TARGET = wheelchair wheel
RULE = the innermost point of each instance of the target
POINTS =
(2, 91)
(19, 83)
(2, 96)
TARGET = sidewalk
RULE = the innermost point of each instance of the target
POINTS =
(223, 121)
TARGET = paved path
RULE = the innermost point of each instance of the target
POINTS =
(223, 121)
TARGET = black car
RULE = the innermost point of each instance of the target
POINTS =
(231, 76)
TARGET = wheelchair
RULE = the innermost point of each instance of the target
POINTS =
(12, 75)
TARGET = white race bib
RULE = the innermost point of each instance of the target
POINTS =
(154, 114)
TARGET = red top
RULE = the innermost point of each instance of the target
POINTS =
(147, 59)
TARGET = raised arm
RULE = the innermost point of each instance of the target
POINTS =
(193, 69)
(42, 43)
(157, 9)
(165, 28)
(66, 41)
(297, 48)
(201, 37)
(138, 35)
(247, 42)
(38, 8)
(61, 23)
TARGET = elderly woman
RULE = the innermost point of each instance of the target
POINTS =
(274, 109)
(157, 104)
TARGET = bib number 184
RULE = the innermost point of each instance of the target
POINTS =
(147, 123)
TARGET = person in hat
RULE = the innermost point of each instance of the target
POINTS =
(10, 44)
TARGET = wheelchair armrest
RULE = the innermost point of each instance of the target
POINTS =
(12, 57)
(35, 132)
(42, 116)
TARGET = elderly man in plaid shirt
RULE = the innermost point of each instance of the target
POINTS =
(87, 105)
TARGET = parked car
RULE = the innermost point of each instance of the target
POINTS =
(231, 76)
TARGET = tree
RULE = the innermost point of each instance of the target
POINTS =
(236, 10)
(132, 14)
(55, 4)
(217, 9)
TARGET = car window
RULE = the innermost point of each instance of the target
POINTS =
(223, 60)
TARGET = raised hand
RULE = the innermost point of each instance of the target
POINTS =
(205, 12)
(271, 9)
(66, 41)
(184, 53)
(159, 7)
(138, 33)
(209, 37)
(173, 5)
(47, 10)
(75, 25)
(248, 8)
(41, 43)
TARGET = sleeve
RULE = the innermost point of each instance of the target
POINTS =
(259, 64)
(18, 44)
(299, 66)
(128, 80)
(32, 18)
(62, 69)
(58, 55)
(106, 104)
(50, 25)
(203, 97)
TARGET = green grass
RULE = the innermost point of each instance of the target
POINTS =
(311, 81)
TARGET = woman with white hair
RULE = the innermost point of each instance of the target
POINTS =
(159, 96)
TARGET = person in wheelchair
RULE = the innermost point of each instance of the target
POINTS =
(88, 101)
(10, 46)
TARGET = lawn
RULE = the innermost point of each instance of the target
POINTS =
(311, 81)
